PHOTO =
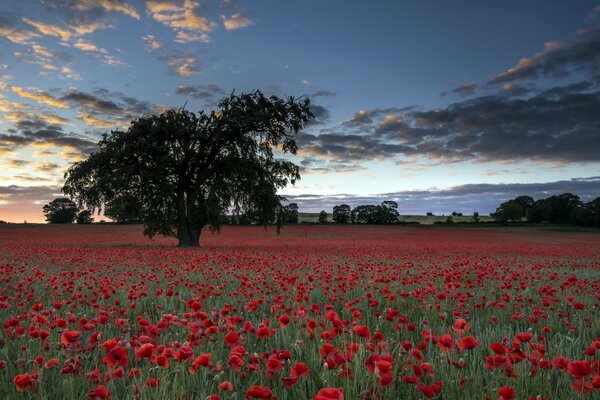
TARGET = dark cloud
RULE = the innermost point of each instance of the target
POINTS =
(38, 133)
(321, 115)
(483, 198)
(365, 117)
(210, 93)
(558, 59)
(464, 90)
(560, 124)
(94, 103)
(17, 195)
(321, 93)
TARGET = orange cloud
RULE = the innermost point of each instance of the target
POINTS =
(41, 97)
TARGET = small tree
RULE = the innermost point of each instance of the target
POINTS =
(322, 217)
(291, 213)
(186, 170)
(60, 211)
(84, 217)
(342, 213)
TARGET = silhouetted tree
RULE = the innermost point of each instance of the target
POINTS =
(509, 211)
(124, 209)
(342, 213)
(291, 213)
(386, 213)
(187, 169)
(84, 217)
(322, 217)
(60, 211)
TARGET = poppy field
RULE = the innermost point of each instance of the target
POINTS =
(318, 312)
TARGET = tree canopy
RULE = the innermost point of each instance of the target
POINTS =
(60, 211)
(187, 170)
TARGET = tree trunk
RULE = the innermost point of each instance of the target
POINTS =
(187, 232)
(188, 237)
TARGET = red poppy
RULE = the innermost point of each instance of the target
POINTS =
(99, 393)
(445, 343)
(299, 369)
(116, 356)
(506, 393)
(460, 325)
(259, 392)
(362, 331)
(579, 369)
(69, 337)
(329, 394)
(144, 351)
(25, 381)
(226, 386)
(468, 343)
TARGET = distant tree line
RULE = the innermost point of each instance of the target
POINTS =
(565, 208)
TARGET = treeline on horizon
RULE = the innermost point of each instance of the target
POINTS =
(565, 208)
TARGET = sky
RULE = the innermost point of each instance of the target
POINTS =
(440, 106)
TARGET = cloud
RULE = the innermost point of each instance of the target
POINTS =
(98, 52)
(313, 165)
(17, 116)
(152, 42)
(210, 93)
(321, 115)
(103, 109)
(236, 21)
(20, 201)
(182, 65)
(40, 96)
(18, 36)
(560, 124)
(186, 37)
(321, 93)
(50, 53)
(481, 197)
(179, 16)
(37, 132)
(558, 59)
(64, 34)
(365, 117)
(108, 5)
(464, 90)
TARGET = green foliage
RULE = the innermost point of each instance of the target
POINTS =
(509, 211)
(186, 170)
(84, 217)
(290, 213)
(322, 217)
(124, 209)
(341, 214)
(60, 211)
(386, 213)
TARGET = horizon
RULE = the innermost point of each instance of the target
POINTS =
(439, 107)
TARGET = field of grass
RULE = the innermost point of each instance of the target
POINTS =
(318, 312)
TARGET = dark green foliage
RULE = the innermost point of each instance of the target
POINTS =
(386, 213)
(124, 209)
(509, 211)
(290, 213)
(60, 211)
(84, 217)
(322, 217)
(187, 170)
(342, 213)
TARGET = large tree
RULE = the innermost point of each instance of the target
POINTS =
(341, 213)
(187, 170)
(60, 211)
